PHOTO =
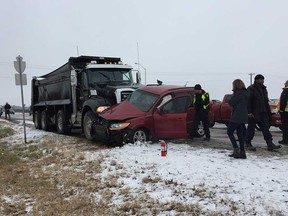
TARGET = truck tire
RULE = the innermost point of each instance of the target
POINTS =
(44, 121)
(62, 124)
(89, 119)
(139, 135)
(37, 120)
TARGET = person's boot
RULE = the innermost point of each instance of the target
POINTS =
(271, 146)
(234, 153)
(249, 146)
(242, 155)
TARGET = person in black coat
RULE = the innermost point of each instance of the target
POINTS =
(259, 112)
(7, 108)
(283, 109)
(239, 118)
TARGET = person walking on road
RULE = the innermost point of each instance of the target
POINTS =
(7, 108)
(283, 109)
(259, 113)
(201, 104)
(239, 118)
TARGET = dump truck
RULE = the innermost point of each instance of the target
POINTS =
(73, 95)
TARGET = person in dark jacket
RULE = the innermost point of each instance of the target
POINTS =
(239, 118)
(259, 112)
(201, 104)
(7, 108)
(283, 109)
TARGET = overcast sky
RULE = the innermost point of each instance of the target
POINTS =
(210, 42)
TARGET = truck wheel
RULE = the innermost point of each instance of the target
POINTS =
(44, 121)
(139, 135)
(62, 123)
(37, 120)
(89, 119)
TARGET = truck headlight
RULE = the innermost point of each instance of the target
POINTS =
(101, 109)
(119, 126)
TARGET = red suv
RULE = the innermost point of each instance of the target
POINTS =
(161, 112)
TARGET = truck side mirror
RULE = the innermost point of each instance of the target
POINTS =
(138, 77)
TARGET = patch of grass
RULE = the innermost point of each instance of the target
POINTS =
(7, 156)
(149, 179)
(6, 131)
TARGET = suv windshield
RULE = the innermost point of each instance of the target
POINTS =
(110, 76)
(143, 100)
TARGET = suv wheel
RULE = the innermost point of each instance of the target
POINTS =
(139, 135)
(200, 131)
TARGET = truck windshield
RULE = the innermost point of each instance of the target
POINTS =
(111, 76)
(143, 100)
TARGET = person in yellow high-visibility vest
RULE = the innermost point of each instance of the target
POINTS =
(201, 104)
(283, 109)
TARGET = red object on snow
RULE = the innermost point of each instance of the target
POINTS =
(163, 149)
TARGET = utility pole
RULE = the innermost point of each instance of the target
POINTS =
(21, 79)
(251, 74)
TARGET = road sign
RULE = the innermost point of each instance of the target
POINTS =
(19, 65)
(18, 79)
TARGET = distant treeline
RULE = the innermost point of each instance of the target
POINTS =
(19, 108)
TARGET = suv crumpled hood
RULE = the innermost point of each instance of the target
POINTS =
(121, 111)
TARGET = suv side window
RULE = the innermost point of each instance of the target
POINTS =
(164, 100)
(178, 105)
(185, 93)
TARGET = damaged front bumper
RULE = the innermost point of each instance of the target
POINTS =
(113, 137)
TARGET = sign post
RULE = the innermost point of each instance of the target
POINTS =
(20, 66)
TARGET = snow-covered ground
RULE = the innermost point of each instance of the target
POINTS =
(190, 174)
(257, 185)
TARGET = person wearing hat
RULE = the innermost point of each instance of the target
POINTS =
(259, 112)
(283, 109)
(7, 108)
(201, 105)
